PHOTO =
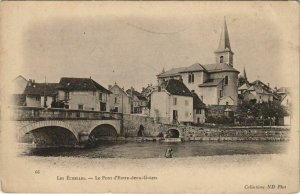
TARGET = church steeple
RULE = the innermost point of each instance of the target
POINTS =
(245, 75)
(223, 52)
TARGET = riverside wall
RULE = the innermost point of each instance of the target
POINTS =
(132, 124)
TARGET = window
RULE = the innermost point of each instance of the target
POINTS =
(186, 102)
(186, 114)
(191, 78)
(102, 97)
(221, 59)
(198, 111)
(80, 106)
(226, 80)
(116, 109)
(221, 93)
(67, 95)
(38, 98)
(226, 103)
(116, 99)
(174, 101)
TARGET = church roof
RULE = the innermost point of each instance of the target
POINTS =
(210, 68)
(171, 72)
(224, 44)
(193, 68)
(176, 87)
(211, 82)
(219, 67)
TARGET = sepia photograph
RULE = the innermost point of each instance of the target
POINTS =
(149, 97)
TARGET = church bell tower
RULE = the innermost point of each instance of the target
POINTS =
(223, 53)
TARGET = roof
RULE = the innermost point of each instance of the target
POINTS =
(48, 89)
(219, 67)
(20, 76)
(283, 90)
(132, 92)
(176, 87)
(197, 103)
(224, 44)
(193, 68)
(171, 72)
(243, 87)
(211, 82)
(80, 84)
(120, 89)
(210, 68)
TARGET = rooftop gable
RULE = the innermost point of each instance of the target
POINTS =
(80, 84)
(176, 87)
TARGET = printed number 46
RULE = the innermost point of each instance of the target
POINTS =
(37, 172)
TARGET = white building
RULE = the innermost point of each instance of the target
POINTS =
(120, 101)
(82, 94)
(215, 84)
(172, 103)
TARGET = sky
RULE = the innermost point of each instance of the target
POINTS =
(131, 42)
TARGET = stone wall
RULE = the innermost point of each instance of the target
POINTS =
(235, 134)
(132, 124)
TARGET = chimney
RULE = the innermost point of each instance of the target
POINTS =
(109, 87)
(143, 89)
(30, 82)
(268, 84)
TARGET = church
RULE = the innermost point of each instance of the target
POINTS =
(216, 83)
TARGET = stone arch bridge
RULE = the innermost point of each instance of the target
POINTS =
(61, 127)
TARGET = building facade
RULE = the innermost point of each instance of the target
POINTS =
(172, 103)
(215, 84)
(82, 94)
(120, 101)
(139, 103)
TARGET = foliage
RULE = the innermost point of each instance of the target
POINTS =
(260, 112)
(220, 120)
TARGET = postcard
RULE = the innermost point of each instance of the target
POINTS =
(149, 96)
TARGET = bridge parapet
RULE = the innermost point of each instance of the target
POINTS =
(36, 113)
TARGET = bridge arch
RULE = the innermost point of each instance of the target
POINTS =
(103, 130)
(173, 133)
(47, 124)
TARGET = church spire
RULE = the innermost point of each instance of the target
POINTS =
(224, 54)
(245, 75)
(224, 44)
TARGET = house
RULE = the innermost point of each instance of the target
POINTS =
(139, 103)
(260, 92)
(19, 85)
(172, 103)
(39, 94)
(285, 96)
(198, 109)
(286, 101)
(17, 91)
(120, 101)
(215, 84)
(146, 91)
(82, 94)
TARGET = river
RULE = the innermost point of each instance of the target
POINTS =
(141, 150)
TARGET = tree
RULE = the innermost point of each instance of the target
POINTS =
(261, 112)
